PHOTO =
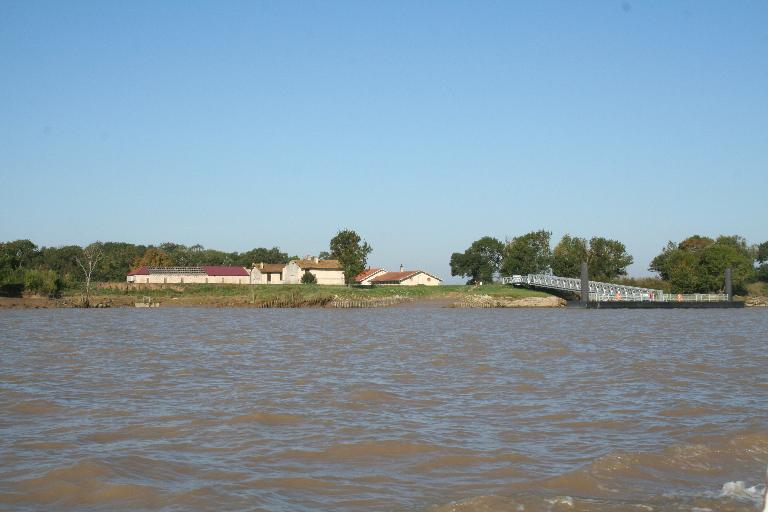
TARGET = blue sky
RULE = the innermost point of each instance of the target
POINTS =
(422, 125)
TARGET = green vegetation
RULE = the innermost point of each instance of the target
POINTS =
(531, 254)
(761, 257)
(698, 263)
(606, 259)
(25, 267)
(527, 254)
(480, 261)
(351, 251)
(308, 278)
(694, 265)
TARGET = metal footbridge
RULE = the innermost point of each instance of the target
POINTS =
(607, 292)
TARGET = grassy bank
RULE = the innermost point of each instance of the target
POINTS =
(120, 294)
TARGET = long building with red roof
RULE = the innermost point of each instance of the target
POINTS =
(209, 274)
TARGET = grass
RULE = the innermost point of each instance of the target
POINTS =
(760, 288)
(233, 294)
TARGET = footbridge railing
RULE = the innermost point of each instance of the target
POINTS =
(598, 291)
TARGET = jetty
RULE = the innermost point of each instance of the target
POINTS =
(599, 295)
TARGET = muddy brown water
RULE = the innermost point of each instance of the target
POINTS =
(387, 409)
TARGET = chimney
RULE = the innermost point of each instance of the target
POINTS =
(315, 259)
(261, 265)
(401, 268)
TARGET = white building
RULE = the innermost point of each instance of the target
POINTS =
(267, 273)
(406, 278)
(206, 274)
(327, 272)
(366, 276)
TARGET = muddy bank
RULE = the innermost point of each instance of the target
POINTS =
(486, 301)
(450, 300)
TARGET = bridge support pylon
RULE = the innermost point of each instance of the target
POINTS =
(584, 284)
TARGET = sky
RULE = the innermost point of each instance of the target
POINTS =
(421, 125)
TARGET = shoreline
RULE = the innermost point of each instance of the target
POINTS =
(455, 297)
(441, 302)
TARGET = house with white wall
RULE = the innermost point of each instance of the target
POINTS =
(327, 272)
(364, 278)
(406, 278)
(267, 273)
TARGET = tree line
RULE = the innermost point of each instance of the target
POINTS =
(24, 266)
(695, 265)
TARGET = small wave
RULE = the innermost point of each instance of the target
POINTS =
(84, 484)
(374, 396)
(134, 432)
(35, 407)
(363, 450)
(467, 458)
(45, 445)
(267, 418)
(687, 412)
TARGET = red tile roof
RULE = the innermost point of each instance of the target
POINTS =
(394, 276)
(319, 265)
(398, 277)
(359, 278)
(212, 270)
(141, 271)
(270, 268)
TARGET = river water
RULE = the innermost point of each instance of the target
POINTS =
(399, 409)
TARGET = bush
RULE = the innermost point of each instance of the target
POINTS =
(44, 282)
(308, 278)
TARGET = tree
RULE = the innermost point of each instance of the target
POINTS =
(527, 254)
(308, 278)
(262, 255)
(727, 252)
(661, 263)
(695, 243)
(351, 251)
(88, 261)
(568, 255)
(697, 264)
(324, 255)
(480, 261)
(607, 259)
(118, 257)
(761, 256)
(18, 253)
(153, 257)
(762, 253)
(62, 260)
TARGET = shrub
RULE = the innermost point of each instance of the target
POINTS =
(44, 282)
(308, 278)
